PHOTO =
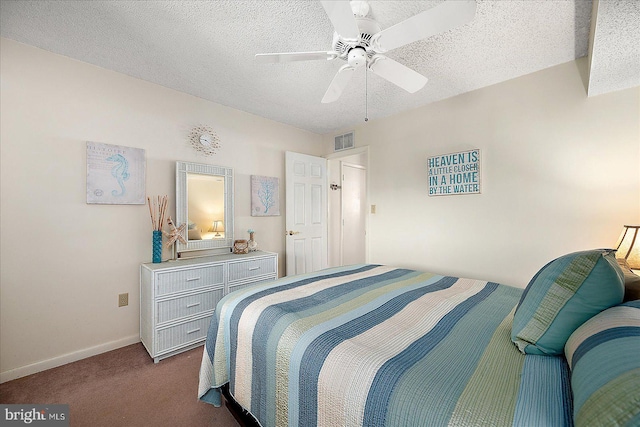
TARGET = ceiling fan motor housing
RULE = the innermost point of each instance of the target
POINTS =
(360, 8)
(368, 27)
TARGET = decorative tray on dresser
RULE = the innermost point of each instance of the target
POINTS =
(177, 299)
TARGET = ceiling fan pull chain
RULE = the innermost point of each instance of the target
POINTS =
(366, 106)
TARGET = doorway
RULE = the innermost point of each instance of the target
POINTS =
(348, 207)
(352, 247)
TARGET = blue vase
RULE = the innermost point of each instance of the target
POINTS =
(157, 246)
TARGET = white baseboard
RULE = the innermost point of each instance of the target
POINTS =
(33, 368)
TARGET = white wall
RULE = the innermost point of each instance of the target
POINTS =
(63, 262)
(560, 173)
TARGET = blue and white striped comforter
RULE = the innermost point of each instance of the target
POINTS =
(372, 345)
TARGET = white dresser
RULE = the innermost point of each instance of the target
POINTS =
(178, 298)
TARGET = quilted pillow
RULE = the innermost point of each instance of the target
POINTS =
(603, 355)
(563, 295)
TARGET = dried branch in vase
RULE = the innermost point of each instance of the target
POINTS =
(157, 210)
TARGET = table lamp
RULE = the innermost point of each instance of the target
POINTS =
(628, 256)
(628, 247)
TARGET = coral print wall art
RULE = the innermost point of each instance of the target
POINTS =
(115, 174)
(265, 196)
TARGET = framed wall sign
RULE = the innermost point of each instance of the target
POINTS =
(115, 174)
(454, 173)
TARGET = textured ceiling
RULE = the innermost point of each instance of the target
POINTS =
(207, 48)
(615, 47)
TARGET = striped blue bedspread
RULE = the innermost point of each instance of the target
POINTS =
(373, 345)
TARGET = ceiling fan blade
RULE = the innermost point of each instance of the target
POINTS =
(341, 17)
(266, 58)
(338, 84)
(438, 19)
(396, 73)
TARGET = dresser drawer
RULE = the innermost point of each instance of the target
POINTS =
(175, 336)
(188, 305)
(187, 279)
(251, 268)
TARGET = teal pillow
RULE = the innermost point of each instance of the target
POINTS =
(562, 296)
(603, 355)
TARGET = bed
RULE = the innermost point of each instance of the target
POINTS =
(374, 345)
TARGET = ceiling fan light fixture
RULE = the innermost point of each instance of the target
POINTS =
(357, 57)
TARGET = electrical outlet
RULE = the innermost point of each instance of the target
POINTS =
(123, 300)
(373, 209)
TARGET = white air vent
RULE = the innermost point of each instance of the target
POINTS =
(343, 142)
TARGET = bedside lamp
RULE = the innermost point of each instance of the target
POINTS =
(216, 227)
(628, 256)
(629, 247)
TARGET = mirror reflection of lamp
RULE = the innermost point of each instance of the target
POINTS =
(216, 227)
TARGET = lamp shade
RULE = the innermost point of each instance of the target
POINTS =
(629, 246)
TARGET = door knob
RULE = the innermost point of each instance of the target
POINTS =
(291, 233)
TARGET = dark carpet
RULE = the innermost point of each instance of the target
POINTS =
(123, 387)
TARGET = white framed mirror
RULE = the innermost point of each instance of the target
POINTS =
(204, 202)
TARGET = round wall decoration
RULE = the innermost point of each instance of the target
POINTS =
(204, 140)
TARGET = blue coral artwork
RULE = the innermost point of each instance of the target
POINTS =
(265, 196)
(115, 174)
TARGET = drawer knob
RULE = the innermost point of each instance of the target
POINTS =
(195, 304)
(254, 268)
(192, 279)
(193, 331)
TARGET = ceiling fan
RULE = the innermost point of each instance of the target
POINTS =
(360, 41)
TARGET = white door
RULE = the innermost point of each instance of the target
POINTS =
(306, 213)
(353, 213)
